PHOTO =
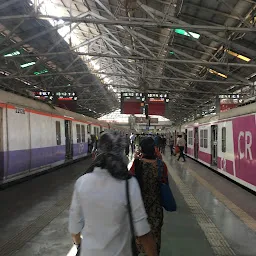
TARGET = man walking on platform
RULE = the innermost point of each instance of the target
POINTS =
(181, 143)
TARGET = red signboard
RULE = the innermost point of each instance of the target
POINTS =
(131, 107)
(226, 107)
(67, 103)
(156, 108)
(226, 104)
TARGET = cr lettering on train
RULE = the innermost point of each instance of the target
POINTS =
(245, 137)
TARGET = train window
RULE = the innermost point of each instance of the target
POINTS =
(223, 139)
(89, 128)
(58, 133)
(78, 133)
(205, 138)
(95, 131)
(201, 138)
(83, 133)
(190, 137)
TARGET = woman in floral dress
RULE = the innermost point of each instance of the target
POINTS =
(145, 169)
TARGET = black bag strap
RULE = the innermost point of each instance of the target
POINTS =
(129, 208)
(134, 252)
(138, 172)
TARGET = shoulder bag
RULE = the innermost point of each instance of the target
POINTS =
(134, 247)
(167, 198)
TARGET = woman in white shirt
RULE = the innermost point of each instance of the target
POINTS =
(99, 206)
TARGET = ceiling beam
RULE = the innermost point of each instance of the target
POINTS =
(145, 57)
(125, 75)
(213, 36)
(211, 10)
(135, 23)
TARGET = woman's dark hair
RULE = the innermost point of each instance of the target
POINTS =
(111, 156)
(148, 148)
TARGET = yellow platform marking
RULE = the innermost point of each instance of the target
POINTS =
(217, 241)
(249, 221)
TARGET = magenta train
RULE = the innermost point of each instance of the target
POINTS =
(226, 143)
(35, 136)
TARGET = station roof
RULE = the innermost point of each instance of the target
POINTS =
(192, 49)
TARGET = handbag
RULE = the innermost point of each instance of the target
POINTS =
(134, 246)
(167, 199)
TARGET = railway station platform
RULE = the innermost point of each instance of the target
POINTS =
(214, 217)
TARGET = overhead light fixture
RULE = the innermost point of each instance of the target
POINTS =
(41, 72)
(239, 56)
(25, 65)
(217, 73)
(185, 33)
(12, 54)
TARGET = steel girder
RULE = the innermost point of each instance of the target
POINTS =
(150, 24)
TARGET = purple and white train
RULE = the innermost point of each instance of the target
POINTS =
(226, 143)
(35, 137)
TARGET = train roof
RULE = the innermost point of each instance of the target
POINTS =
(31, 103)
(239, 111)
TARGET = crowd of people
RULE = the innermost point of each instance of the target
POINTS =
(177, 146)
(119, 211)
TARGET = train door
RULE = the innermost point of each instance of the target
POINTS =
(214, 144)
(196, 142)
(68, 135)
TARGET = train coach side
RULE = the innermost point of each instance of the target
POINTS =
(35, 136)
(226, 144)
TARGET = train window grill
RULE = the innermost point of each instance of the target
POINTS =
(202, 138)
(205, 138)
(223, 139)
(83, 133)
(78, 133)
(89, 128)
(190, 137)
(58, 133)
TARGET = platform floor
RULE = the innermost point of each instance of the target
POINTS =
(214, 217)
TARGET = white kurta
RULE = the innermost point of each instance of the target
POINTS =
(99, 211)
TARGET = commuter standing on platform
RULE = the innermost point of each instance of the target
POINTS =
(181, 143)
(145, 169)
(89, 143)
(99, 208)
(163, 142)
(132, 139)
(157, 141)
(127, 146)
(171, 143)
